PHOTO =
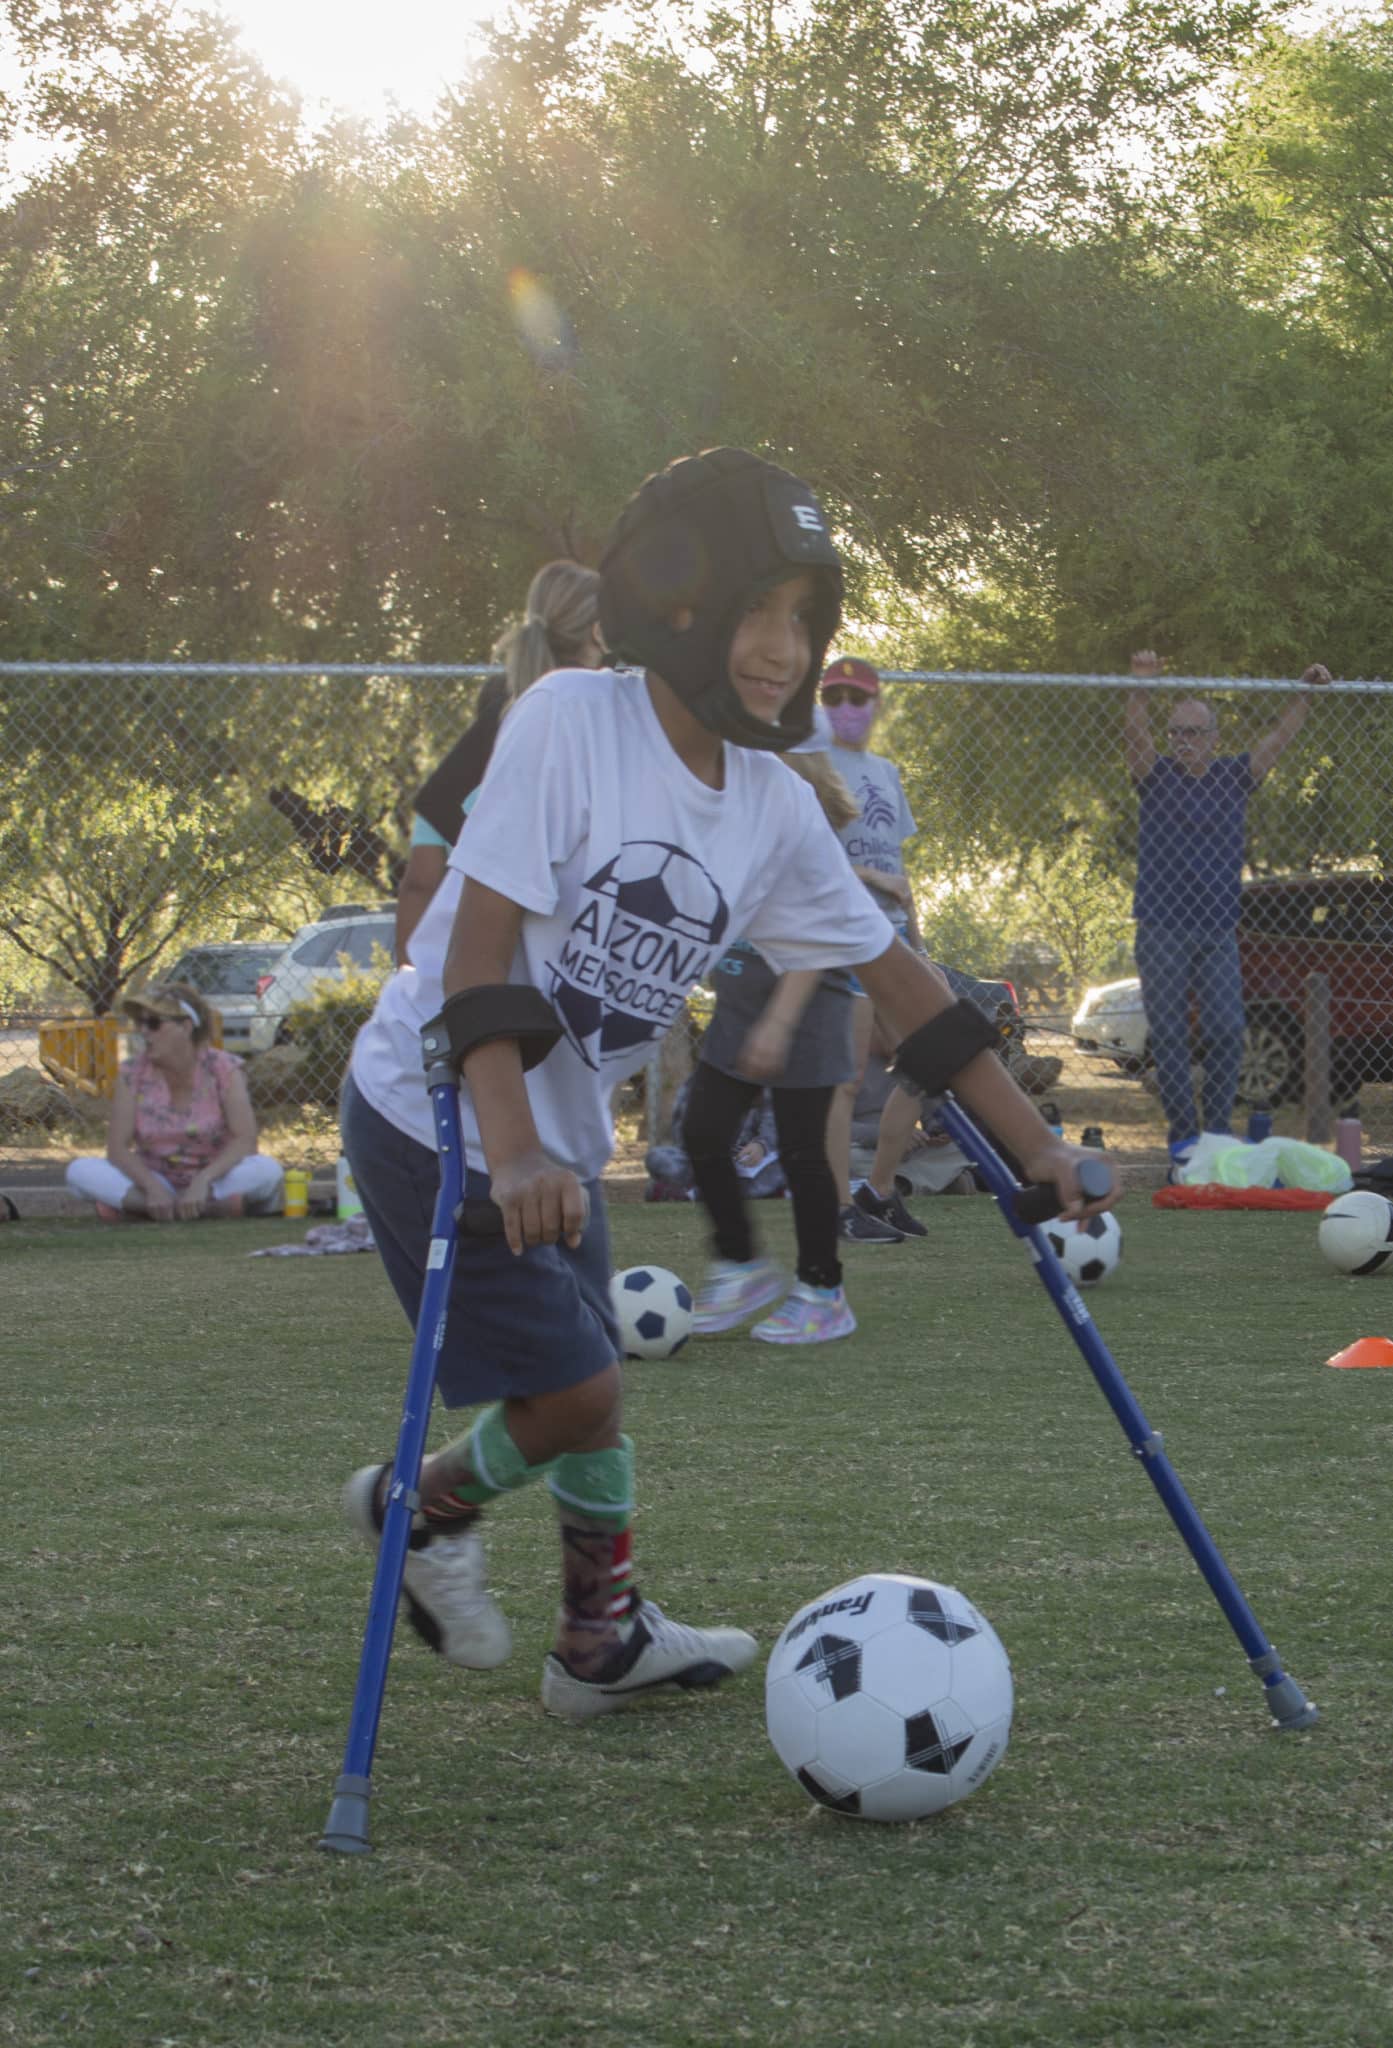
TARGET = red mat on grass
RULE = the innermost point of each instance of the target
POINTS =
(1212, 1195)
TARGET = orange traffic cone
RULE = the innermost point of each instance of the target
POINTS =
(1364, 1351)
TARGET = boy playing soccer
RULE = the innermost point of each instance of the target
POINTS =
(631, 826)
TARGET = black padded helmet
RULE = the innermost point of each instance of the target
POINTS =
(707, 534)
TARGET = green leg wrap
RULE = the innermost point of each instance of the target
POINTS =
(596, 1484)
(493, 1464)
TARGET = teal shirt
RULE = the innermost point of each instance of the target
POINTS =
(423, 834)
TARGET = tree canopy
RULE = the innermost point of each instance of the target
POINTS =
(267, 391)
(1077, 316)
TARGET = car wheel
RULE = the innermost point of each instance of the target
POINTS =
(1270, 1069)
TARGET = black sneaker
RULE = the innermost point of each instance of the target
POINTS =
(858, 1226)
(888, 1209)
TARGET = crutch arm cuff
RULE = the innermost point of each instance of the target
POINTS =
(499, 1009)
(932, 1056)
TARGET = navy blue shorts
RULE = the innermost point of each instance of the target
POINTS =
(530, 1324)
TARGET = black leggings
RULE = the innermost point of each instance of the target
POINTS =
(716, 1108)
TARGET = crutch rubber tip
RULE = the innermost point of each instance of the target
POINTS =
(346, 1830)
(1306, 1716)
(1290, 1706)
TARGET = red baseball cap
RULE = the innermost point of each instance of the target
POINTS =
(850, 669)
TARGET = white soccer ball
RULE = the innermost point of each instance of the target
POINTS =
(654, 1310)
(889, 1698)
(1356, 1232)
(1087, 1251)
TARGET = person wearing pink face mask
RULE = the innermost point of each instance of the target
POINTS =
(873, 1212)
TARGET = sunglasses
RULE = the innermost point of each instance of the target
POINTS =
(1188, 732)
(148, 1023)
(843, 693)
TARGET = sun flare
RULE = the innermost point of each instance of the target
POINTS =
(362, 58)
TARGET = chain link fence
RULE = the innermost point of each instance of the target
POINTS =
(1246, 823)
(245, 826)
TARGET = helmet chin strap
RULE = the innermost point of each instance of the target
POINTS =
(719, 709)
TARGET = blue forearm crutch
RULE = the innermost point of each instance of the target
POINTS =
(346, 1830)
(1025, 1209)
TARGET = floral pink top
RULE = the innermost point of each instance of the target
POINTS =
(179, 1142)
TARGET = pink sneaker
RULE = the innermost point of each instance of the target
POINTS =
(811, 1315)
(731, 1292)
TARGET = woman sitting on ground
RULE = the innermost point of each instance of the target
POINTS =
(182, 1137)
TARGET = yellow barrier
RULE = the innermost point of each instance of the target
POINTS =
(84, 1053)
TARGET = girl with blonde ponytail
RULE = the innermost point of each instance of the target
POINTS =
(559, 629)
(839, 806)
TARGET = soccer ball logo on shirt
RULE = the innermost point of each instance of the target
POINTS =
(651, 922)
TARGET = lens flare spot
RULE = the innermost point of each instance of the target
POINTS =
(541, 323)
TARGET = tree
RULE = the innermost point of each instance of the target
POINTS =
(97, 881)
(337, 395)
(109, 261)
(1296, 195)
(139, 813)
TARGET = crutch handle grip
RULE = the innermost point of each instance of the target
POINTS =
(1037, 1203)
(485, 1219)
(480, 1219)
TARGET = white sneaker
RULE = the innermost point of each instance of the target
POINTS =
(661, 1652)
(811, 1315)
(731, 1292)
(444, 1583)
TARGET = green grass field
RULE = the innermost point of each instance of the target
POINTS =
(1150, 1864)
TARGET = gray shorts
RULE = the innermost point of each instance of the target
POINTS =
(820, 1053)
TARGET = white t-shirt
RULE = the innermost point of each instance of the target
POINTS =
(635, 878)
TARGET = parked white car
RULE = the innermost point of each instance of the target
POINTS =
(230, 976)
(318, 952)
(1110, 1024)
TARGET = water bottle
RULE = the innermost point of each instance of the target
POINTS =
(347, 1203)
(1050, 1112)
(297, 1192)
(1349, 1141)
(1259, 1127)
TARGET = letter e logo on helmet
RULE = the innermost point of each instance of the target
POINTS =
(797, 529)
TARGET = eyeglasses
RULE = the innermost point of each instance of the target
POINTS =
(1188, 732)
(147, 1023)
(842, 693)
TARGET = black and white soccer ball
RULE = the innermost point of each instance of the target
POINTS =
(662, 885)
(654, 1310)
(889, 1698)
(1087, 1251)
(1355, 1232)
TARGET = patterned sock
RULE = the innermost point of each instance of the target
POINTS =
(593, 1491)
(476, 1469)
